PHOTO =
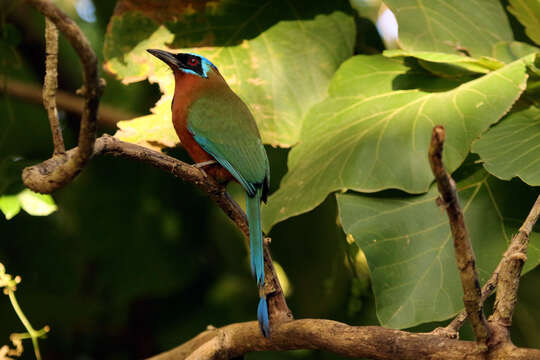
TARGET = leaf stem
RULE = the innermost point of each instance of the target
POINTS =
(9, 285)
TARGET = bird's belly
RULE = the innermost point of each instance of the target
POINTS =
(199, 155)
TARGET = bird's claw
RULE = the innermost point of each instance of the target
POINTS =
(204, 164)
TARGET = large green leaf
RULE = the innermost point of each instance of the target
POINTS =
(512, 148)
(508, 51)
(528, 13)
(451, 26)
(409, 248)
(368, 142)
(280, 73)
(449, 64)
(193, 23)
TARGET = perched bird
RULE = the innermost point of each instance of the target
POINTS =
(214, 124)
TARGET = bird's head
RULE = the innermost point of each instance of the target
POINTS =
(185, 62)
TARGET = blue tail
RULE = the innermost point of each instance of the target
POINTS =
(262, 315)
(255, 236)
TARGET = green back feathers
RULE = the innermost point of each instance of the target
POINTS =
(224, 127)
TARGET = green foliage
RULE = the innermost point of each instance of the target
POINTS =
(378, 140)
(362, 124)
(466, 64)
(513, 50)
(409, 246)
(528, 13)
(511, 148)
(31, 202)
(280, 73)
(451, 26)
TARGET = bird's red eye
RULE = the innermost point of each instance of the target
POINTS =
(193, 61)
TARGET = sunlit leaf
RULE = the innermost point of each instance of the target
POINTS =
(410, 251)
(528, 13)
(370, 143)
(36, 204)
(10, 205)
(449, 64)
(509, 51)
(512, 148)
(451, 26)
(280, 71)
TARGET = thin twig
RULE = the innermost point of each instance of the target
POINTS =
(510, 271)
(108, 115)
(452, 330)
(10, 284)
(92, 88)
(472, 295)
(514, 253)
(50, 85)
(373, 342)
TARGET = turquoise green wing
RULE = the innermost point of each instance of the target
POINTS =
(224, 127)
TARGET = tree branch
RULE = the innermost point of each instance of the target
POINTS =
(373, 342)
(512, 257)
(452, 329)
(50, 85)
(510, 271)
(107, 115)
(462, 244)
(92, 88)
(108, 145)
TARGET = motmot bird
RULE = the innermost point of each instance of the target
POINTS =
(214, 124)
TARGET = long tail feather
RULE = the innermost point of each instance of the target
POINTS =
(255, 236)
(262, 316)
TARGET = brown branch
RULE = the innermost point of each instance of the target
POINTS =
(373, 342)
(108, 115)
(92, 88)
(452, 330)
(277, 306)
(510, 271)
(511, 258)
(108, 145)
(472, 295)
(50, 85)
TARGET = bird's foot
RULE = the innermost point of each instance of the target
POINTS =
(204, 164)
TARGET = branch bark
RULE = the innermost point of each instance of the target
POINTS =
(472, 295)
(452, 329)
(510, 272)
(512, 258)
(373, 342)
(50, 85)
(108, 145)
(92, 88)
(107, 116)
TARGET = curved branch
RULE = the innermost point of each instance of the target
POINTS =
(92, 88)
(373, 342)
(107, 115)
(108, 145)
(465, 258)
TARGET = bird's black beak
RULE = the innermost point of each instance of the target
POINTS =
(165, 56)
